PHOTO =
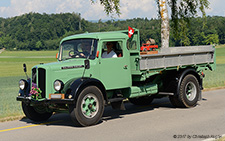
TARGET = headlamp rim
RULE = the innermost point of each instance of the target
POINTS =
(61, 85)
(25, 84)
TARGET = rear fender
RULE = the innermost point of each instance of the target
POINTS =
(183, 74)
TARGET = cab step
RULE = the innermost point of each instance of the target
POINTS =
(117, 103)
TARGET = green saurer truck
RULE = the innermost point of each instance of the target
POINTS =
(82, 83)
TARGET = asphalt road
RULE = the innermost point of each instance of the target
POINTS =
(159, 121)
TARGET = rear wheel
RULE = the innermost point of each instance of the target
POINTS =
(89, 107)
(145, 100)
(36, 113)
(188, 93)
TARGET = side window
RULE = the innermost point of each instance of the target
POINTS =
(131, 45)
(112, 49)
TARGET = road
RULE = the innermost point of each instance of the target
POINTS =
(160, 121)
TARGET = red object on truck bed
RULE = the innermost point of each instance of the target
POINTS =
(148, 47)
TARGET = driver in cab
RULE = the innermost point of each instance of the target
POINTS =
(83, 51)
(86, 47)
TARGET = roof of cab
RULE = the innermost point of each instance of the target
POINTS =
(99, 35)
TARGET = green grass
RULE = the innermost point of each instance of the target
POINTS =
(11, 71)
(217, 77)
(11, 62)
(8, 93)
(220, 55)
(29, 53)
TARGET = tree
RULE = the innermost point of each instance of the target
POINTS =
(212, 39)
(181, 11)
(110, 6)
(165, 26)
(38, 45)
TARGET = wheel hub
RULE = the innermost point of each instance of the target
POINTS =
(191, 91)
(89, 106)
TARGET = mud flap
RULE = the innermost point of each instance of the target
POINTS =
(200, 96)
(117, 103)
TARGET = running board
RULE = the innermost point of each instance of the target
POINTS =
(165, 93)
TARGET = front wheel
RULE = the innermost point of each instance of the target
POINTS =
(189, 92)
(36, 113)
(89, 107)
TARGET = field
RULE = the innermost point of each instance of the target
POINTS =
(217, 77)
(11, 71)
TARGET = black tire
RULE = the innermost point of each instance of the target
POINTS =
(37, 113)
(89, 107)
(144, 100)
(188, 93)
(175, 102)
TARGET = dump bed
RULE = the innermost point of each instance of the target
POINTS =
(178, 56)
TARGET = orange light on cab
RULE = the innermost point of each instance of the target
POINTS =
(97, 55)
(57, 55)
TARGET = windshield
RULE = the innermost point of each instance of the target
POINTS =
(78, 48)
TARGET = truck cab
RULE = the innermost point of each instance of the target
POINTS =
(117, 70)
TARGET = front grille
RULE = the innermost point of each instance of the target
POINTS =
(34, 75)
(42, 81)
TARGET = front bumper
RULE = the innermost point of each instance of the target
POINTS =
(46, 101)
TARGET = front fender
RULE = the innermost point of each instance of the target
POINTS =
(79, 84)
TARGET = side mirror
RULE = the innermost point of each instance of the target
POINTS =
(24, 67)
(87, 64)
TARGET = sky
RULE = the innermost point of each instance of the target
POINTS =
(129, 8)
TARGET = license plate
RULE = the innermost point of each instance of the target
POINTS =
(56, 96)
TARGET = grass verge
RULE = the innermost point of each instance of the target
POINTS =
(11, 71)
(221, 139)
(8, 93)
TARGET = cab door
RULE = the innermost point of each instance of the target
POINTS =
(115, 72)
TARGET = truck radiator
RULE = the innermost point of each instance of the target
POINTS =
(34, 75)
(42, 81)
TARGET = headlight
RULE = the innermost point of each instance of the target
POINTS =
(23, 84)
(58, 85)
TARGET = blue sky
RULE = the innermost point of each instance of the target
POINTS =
(89, 11)
(4, 3)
